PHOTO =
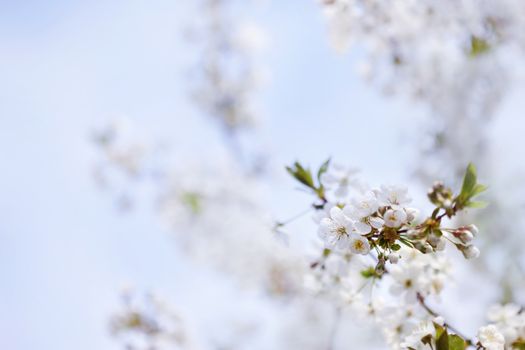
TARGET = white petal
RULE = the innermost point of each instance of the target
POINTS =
(339, 217)
(343, 242)
(350, 211)
(376, 223)
(362, 228)
(401, 216)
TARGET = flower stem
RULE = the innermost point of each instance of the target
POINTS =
(293, 218)
(333, 330)
(431, 312)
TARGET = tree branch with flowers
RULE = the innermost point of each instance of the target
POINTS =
(357, 222)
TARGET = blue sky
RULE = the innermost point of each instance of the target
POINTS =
(70, 66)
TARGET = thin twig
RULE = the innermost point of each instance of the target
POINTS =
(333, 331)
(423, 304)
(293, 218)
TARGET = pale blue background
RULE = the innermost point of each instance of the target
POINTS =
(69, 66)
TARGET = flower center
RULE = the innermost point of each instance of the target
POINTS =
(341, 231)
(358, 245)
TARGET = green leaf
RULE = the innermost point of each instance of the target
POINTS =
(478, 46)
(322, 169)
(435, 212)
(442, 341)
(193, 201)
(369, 272)
(439, 330)
(470, 189)
(479, 188)
(455, 342)
(469, 181)
(518, 345)
(302, 175)
(477, 204)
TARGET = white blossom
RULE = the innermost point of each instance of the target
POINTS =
(394, 258)
(363, 205)
(395, 218)
(408, 281)
(359, 245)
(491, 338)
(394, 196)
(412, 214)
(339, 180)
(336, 230)
(418, 273)
(470, 252)
(509, 319)
(360, 210)
(413, 341)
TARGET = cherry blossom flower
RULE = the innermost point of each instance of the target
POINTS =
(408, 281)
(395, 218)
(414, 340)
(393, 196)
(491, 338)
(336, 229)
(339, 179)
(359, 245)
(509, 319)
(360, 209)
(470, 252)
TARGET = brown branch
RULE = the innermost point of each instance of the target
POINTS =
(431, 312)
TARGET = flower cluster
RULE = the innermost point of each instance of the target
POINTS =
(419, 275)
(122, 148)
(146, 322)
(507, 328)
(433, 334)
(490, 338)
(456, 57)
(196, 205)
(449, 54)
(126, 157)
(227, 73)
(379, 220)
(359, 224)
(195, 202)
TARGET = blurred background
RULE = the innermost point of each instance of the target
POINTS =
(74, 231)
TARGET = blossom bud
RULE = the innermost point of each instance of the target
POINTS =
(466, 233)
(394, 258)
(440, 195)
(466, 236)
(470, 252)
(414, 233)
(412, 214)
(473, 229)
